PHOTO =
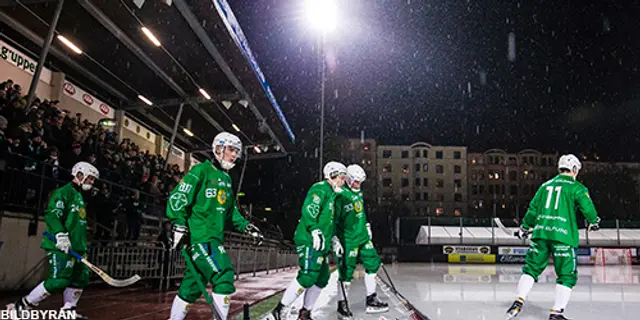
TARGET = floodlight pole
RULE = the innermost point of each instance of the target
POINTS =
(176, 124)
(322, 90)
(43, 54)
(245, 155)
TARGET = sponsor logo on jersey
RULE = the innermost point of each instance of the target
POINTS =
(227, 300)
(316, 199)
(222, 197)
(60, 204)
(82, 213)
(300, 290)
(358, 206)
(178, 201)
(313, 210)
(320, 259)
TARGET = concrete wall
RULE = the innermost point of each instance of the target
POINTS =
(20, 253)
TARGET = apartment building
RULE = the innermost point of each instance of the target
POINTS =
(507, 181)
(431, 180)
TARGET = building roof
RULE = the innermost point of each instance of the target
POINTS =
(202, 47)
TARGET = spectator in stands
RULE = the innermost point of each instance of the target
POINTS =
(103, 207)
(74, 157)
(33, 151)
(134, 210)
(4, 142)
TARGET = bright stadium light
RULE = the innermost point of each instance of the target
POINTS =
(235, 127)
(322, 14)
(151, 37)
(69, 44)
(187, 132)
(145, 100)
(205, 94)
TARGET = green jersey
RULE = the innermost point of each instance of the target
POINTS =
(317, 213)
(66, 213)
(552, 212)
(351, 221)
(204, 202)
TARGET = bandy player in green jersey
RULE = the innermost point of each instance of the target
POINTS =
(551, 220)
(315, 226)
(66, 219)
(202, 204)
(355, 234)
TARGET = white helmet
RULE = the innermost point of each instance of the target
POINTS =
(226, 139)
(569, 162)
(333, 170)
(87, 170)
(355, 173)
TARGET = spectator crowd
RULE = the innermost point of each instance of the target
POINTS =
(41, 143)
(45, 139)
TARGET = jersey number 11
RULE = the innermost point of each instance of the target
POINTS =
(550, 190)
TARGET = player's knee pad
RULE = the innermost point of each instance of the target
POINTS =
(345, 273)
(80, 282)
(189, 294)
(224, 282)
(532, 271)
(323, 280)
(56, 285)
(568, 280)
(307, 279)
(371, 267)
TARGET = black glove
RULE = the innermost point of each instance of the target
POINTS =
(255, 233)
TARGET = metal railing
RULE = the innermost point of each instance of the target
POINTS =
(245, 261)
(26, 185)
(121, 260)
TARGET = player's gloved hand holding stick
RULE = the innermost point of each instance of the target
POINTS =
(522, 233)
(318, 240)
(594, 226)
(337, 247)
(178, 233)
(62, 242)
(255, 233)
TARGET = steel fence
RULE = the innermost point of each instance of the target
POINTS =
(151, 261)
(245, 260)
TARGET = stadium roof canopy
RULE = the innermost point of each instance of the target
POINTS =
(202, 47)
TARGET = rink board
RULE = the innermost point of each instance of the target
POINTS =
(483, 254)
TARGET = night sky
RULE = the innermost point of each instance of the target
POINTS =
(440, 72)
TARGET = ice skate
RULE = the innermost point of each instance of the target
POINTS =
(515, 309)
(557, 315)
(374, 305)
(21, 305)
(78, 316)
(304, 314)
(279, 312)
(343, 311)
